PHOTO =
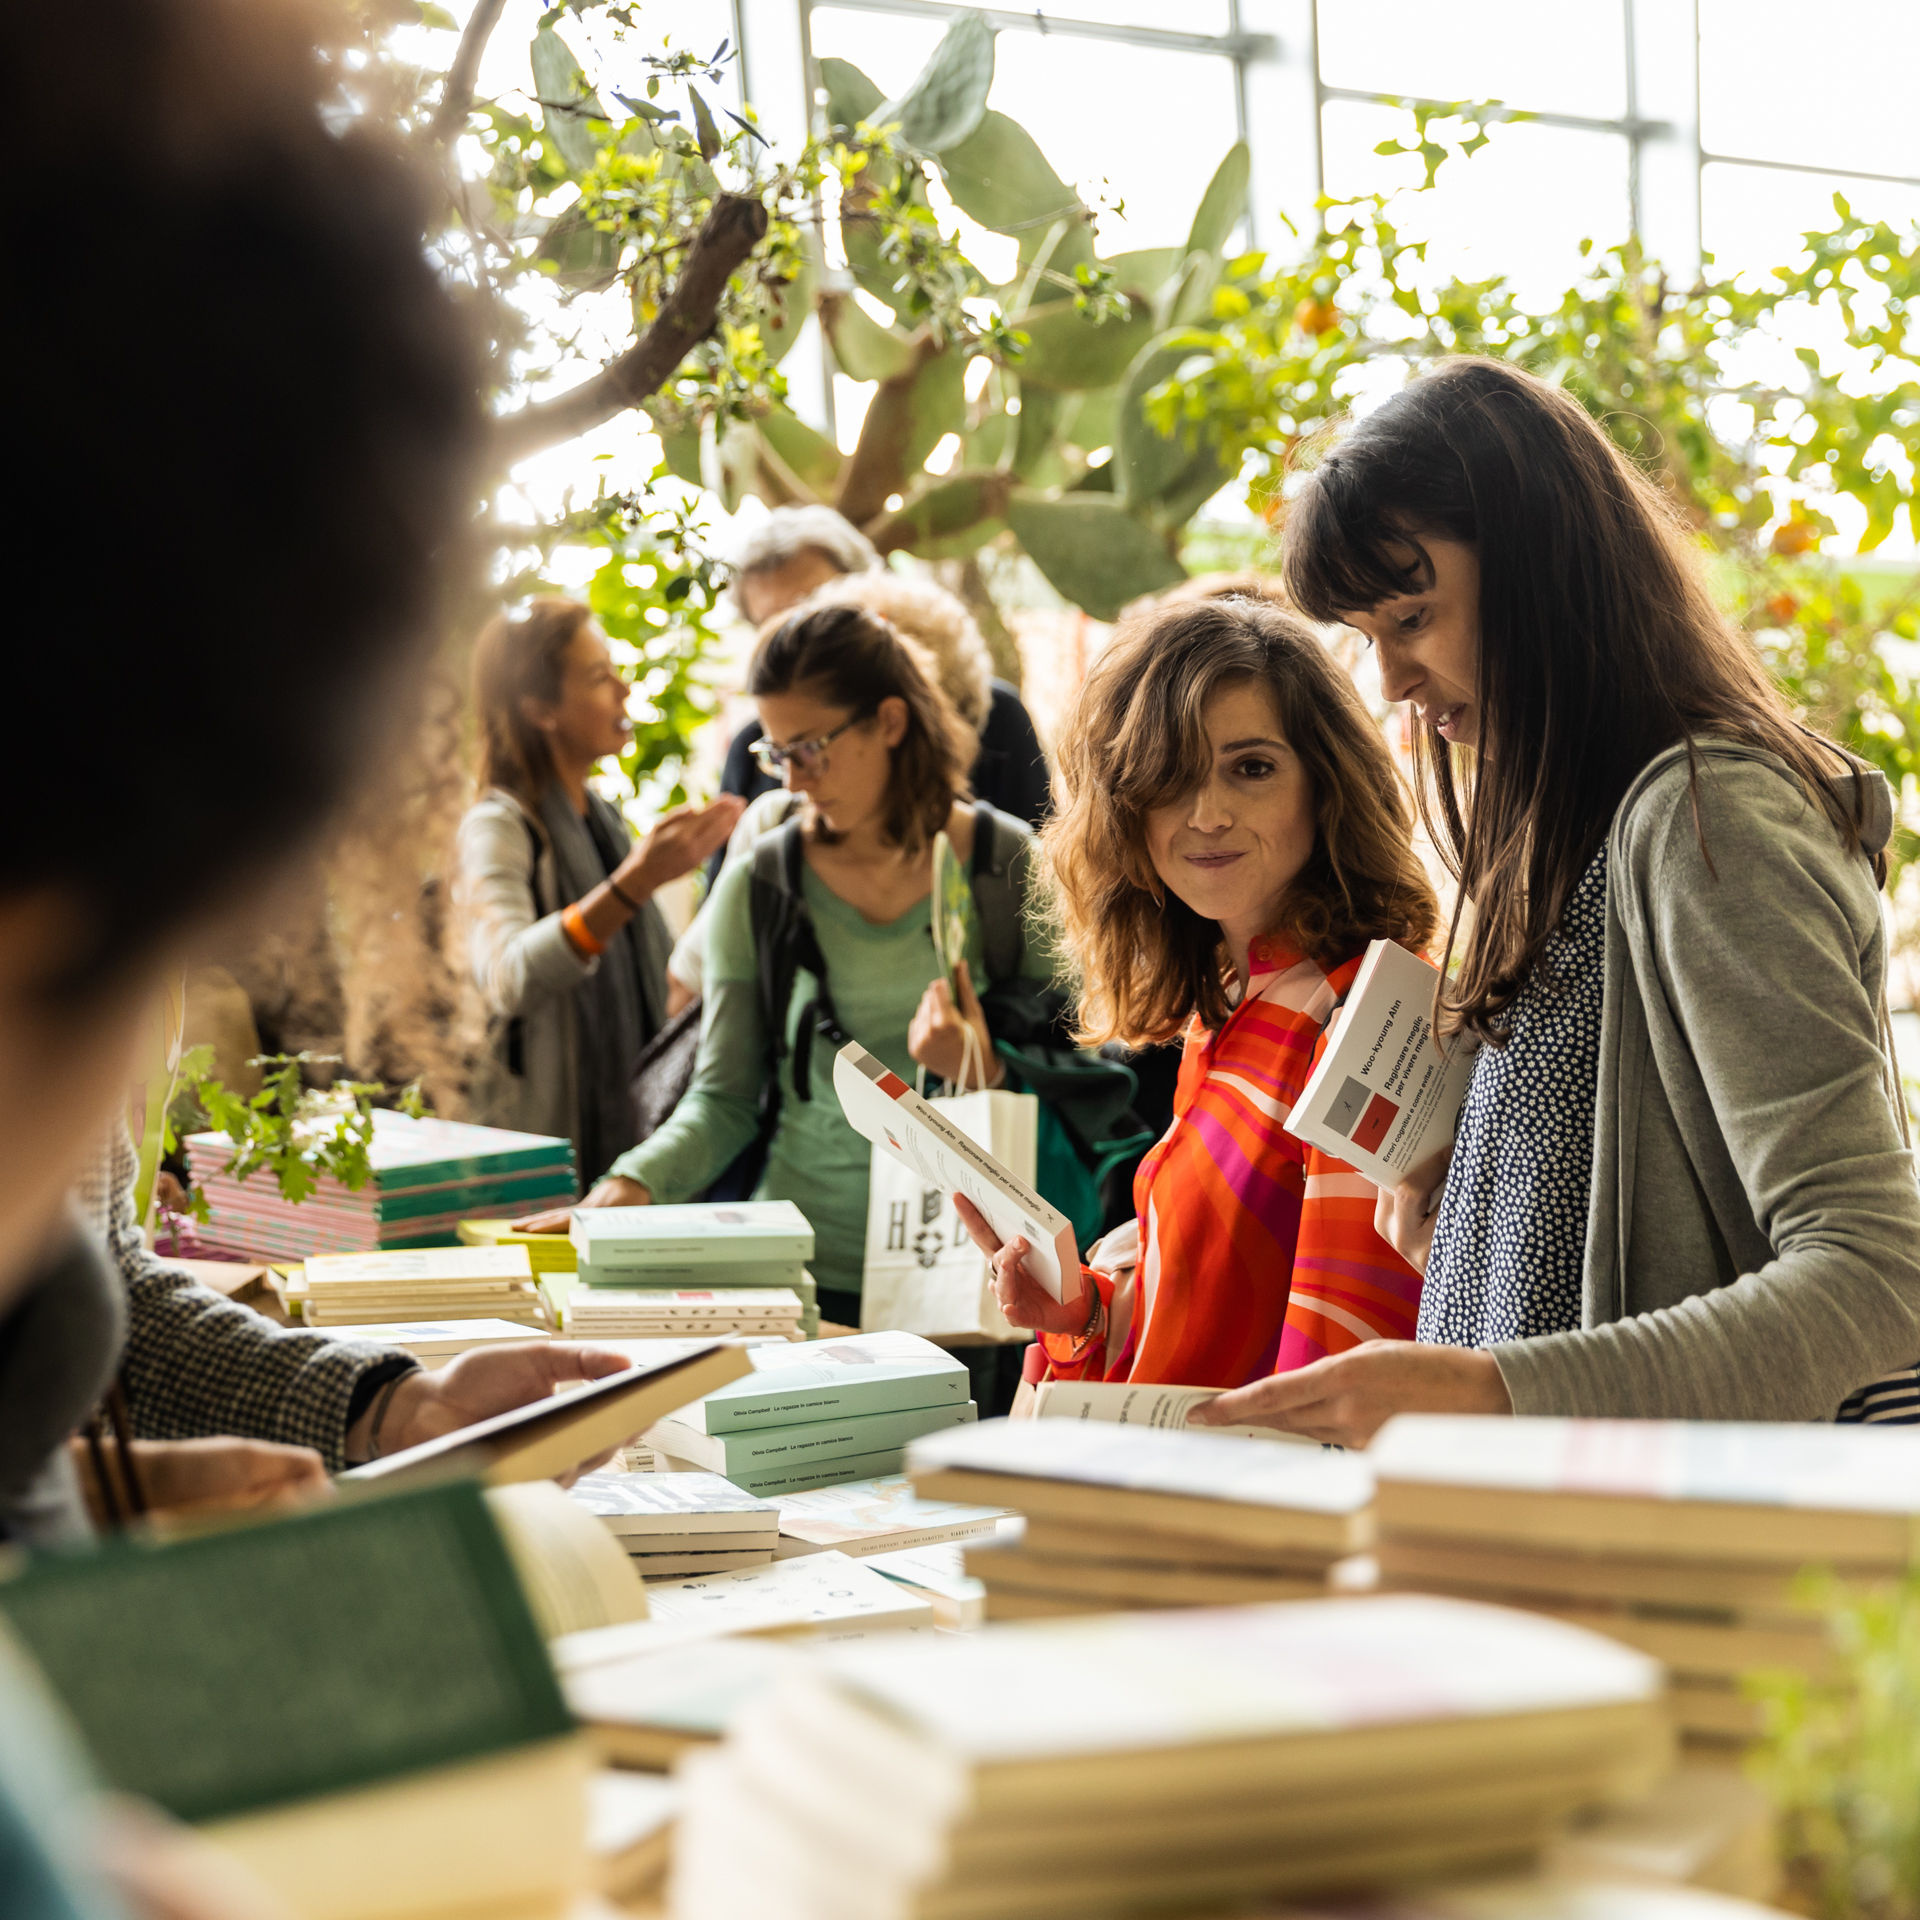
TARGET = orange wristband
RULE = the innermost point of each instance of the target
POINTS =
(573, 923)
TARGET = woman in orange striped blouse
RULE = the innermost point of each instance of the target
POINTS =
(1233, 834)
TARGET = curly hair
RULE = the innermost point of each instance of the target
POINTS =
(1136, 741)
(849, 658)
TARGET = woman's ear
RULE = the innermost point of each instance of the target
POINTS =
(537, 713)
(892, 716)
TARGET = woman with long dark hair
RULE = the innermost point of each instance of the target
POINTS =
(1231, 834)
(1681, 1185)
(563, 937)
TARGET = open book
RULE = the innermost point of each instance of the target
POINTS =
(881, 1106)
(1388, 1090)
(1140, 1406)
(551, 1436)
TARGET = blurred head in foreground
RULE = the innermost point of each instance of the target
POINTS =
(249, 416)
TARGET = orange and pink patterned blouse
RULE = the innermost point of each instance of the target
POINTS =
(1257, 1253)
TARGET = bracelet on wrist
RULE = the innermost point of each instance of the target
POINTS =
(573, 923)
(380, 1407)
(622, 895)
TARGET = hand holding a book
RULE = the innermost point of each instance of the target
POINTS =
(475, 1387)
(937, 1037)
(1404, 1215)
(1348, 1397)
(1025, 1302)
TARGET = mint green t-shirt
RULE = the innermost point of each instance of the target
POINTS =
(816, 1159)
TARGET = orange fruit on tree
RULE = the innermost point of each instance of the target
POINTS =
(1316, 316)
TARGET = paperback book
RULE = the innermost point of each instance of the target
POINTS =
(805, 1441)
(762, 1232)
(1127, 1405)
(881, 1106)
(1387, 1090)
(869, 1517)
(862, 1373)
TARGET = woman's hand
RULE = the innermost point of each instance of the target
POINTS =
(614, 1191)
(478, 1385)
(1348, 1397)
(1024, 1301)
(1404, 1216)
(937, 1036)
(680, 840)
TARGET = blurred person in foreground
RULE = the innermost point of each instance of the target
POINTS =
(261, 373)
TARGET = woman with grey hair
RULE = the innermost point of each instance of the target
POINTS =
(787, 559)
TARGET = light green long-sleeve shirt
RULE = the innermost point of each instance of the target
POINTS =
(816, 1160)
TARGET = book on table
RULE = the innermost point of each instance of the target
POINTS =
(775, 1479)
(434, 1342)
(1143, 1405)
(639, 1241)
(958, 1599)
(1549, 1895)
(1387, 1091)
(355, 1701)
(1684, 1539)
(434, 1282)
(554, 1435)
(1184, 1760)
(576, 1576)
(881, 1107)
(803, 1442)
(858, 1374)
(1119, 1515)
(678, 1524)
(825, 1592)
(683, 1310)
(548, 1252)
(869, 1517)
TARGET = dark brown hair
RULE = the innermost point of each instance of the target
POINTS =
(521, 656)
(1136, 740)
(1599, 640)
(846, 657)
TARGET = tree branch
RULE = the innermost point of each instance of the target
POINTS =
(732, 230)
(451, 114)
(877, 468)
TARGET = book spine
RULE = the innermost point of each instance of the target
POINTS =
(774, 1479)
(832, 1439)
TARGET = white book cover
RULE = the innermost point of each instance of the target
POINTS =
(707, 1230)
(1224, 1674)
(1142, 1406)
(1193, 1465)
(940, 1569)
(1846, 1469)
(1387, 1091)
(822, 1589)
(866, 1517)
(429, 1339)
(880, 1106)
(686, 1303)
(422, 1266)
(674, 1504)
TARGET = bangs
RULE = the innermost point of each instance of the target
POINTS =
(1339, 547)
(1164, 753)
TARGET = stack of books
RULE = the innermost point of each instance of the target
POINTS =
(754, 1244)
(428, 1176)
(1553, 1895)
(1124, 1516)
(364, 1290)
(1682, 1539)
(677, 1524)
(647, 1313)
(1139, 1762)
(819, 1415)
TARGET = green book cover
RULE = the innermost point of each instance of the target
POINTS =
(773, 1479)
(730, 1453)
(225, 1673)
(833, 1380)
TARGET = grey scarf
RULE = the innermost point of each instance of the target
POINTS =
(623, 1004)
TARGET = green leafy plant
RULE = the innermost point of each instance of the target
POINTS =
(297, 1133)
(1841, 1758)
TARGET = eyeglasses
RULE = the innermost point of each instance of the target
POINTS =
(808, 755)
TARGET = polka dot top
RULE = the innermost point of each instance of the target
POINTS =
(1512, 1233)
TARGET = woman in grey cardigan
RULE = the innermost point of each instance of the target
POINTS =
(1681, 1185)
(563, 937)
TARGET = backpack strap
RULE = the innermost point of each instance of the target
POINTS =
(785, 944)
(1000, 863)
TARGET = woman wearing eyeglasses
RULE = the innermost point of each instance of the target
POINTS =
(826, 934)
(563, 938)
